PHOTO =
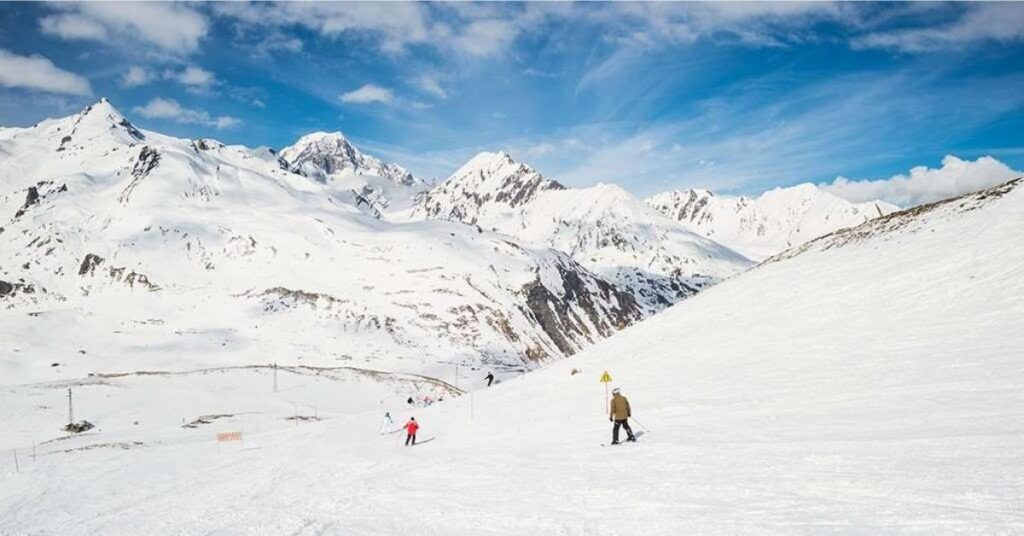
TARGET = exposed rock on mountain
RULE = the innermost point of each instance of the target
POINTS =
(603, 227)
(331, 159)
(138, 240)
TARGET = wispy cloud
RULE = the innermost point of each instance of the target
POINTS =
(755, 135)
(161, 108)
(475, 30)
(979, 22)
(38, 73)
(431, 83)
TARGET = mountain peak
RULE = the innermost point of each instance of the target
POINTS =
(103, 108)
(490, 160)
(335, 137)
(99, 120)
(319, 155)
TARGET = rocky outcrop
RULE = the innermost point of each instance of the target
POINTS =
(322, 154)
(487, 181)
(120, 274)
(148, 159)
(89, 264)
(606, 309)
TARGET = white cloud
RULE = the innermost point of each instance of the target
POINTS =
(486, 37)
(72, 26)
(982, 21)
(161, 108)
(367, 94)
(195, 79)
(924, 184)
(37, 72)
(192, 76)
(276, 42)
(431, 83)
(539, 150)
(136, 76)
(170, 27)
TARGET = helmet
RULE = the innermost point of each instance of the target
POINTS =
(615, 391)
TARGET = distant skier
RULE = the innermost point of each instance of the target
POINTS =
(620, 414)
(410, 401)
(490, 378)
(410, 431)
(385, 427)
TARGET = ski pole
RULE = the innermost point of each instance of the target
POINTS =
(640, 424)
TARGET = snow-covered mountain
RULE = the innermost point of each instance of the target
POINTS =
(603, 227)
(332, 159)
(869, 383)
(775, 221)
(139, 247)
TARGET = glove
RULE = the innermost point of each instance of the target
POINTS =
(610, 419)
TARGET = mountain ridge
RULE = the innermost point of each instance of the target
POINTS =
(604, 227)
(769, 223)
(149, 242)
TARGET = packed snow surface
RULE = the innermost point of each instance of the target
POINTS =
(867, 383)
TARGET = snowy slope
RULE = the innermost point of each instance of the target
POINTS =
(603, 227)
(775, 221)
(330, 158)
(866, 384)
(150, 252)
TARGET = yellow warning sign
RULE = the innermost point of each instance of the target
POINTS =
(605, 378)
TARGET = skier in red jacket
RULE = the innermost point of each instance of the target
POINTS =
(410, 430)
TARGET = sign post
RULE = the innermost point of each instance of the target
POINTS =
(71, 410)
(606, 379)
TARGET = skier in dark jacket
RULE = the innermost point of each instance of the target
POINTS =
(490, 378)
(620, 414)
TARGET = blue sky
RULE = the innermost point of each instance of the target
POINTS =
(735, 97)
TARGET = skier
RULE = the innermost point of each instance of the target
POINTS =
(410, 430)
(409, 401)
(490, 378)
(620, 414)
(385, 427)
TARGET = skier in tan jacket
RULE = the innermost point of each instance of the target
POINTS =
(620, 414)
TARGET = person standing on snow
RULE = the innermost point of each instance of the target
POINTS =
(385, 427)
(490, 378)
(410, 430)
(620, 414)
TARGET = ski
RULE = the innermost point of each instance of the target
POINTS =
(636, 435)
